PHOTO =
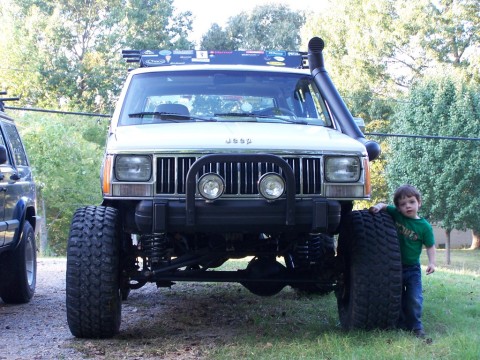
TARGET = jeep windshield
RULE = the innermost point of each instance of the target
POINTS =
(223, 95)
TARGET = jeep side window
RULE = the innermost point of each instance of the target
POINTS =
(18, 151)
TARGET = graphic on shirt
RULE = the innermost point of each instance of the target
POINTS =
(406, 232)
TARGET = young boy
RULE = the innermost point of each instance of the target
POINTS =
(413, 232)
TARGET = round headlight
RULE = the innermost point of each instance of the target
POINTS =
(271, 186)
(211, 186)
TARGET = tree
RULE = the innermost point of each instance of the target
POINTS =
(453, 30)
(385, 42)
(66, 173)
(266, 27)
(446, 171)
(77, 54)
(217, 39)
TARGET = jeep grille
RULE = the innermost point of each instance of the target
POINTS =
(240, 177)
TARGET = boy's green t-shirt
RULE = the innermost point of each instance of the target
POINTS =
(412, 235)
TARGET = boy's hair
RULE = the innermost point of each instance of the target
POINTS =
(406, 191)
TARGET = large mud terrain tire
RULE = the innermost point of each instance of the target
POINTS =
(93, 279)
(369, 291)
(18, 269)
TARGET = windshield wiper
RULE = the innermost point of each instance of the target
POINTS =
(253, 115)
(168, 116)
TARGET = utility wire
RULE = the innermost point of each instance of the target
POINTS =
(430, 137)
(58, 112)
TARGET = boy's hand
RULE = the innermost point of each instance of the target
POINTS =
(377, 208)
(430, 269)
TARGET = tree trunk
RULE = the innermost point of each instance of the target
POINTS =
(43, 229)
(447, 246)
(475, 240)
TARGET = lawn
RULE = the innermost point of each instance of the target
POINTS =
(288, 327)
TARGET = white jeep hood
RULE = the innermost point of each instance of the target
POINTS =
(230, 137)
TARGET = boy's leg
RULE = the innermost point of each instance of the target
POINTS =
(412, 298)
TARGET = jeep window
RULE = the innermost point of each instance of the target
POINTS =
(224, 96)
(18, 150)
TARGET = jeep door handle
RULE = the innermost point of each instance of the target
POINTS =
(15, 177)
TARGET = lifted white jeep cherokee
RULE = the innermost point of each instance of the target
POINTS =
(213, 156)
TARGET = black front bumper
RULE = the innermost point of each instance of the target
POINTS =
(317, 215)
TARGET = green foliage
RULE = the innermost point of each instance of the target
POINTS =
(377, 170)
(383, 44)
(70, 62)
(272, 26)
(454, 27)
(66, 167)
(357, 37)
(217, 39)
(445, 171)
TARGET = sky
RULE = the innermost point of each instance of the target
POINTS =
(207, 12)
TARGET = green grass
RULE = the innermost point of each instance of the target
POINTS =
(310, 329)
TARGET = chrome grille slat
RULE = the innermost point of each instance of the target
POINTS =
(241, 178)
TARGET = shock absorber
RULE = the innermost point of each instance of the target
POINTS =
(156, 249)
(308, 250)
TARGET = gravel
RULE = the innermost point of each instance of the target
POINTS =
(39, 330)
(163, 323)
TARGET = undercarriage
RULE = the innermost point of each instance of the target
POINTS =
(303, 261)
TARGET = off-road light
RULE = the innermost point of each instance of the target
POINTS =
(133, 167)
(342, 169)
(211, 186)
(271, 186)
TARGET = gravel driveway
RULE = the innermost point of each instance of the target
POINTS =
(38, 330)
(182, 323)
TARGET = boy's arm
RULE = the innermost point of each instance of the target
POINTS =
(431, 259)
(377, 208)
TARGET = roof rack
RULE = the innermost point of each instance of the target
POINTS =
(279, 58)
(2, 105)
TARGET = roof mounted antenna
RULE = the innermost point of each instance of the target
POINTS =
(2, 105)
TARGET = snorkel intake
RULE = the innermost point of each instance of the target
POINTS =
(334, 100)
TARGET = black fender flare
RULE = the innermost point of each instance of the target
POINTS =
(20, 214)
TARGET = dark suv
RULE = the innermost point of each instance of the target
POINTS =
(18, 266)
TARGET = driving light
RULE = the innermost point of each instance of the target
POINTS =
(342, 169)
(211, 186)
(133, 168)
(271, 186)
